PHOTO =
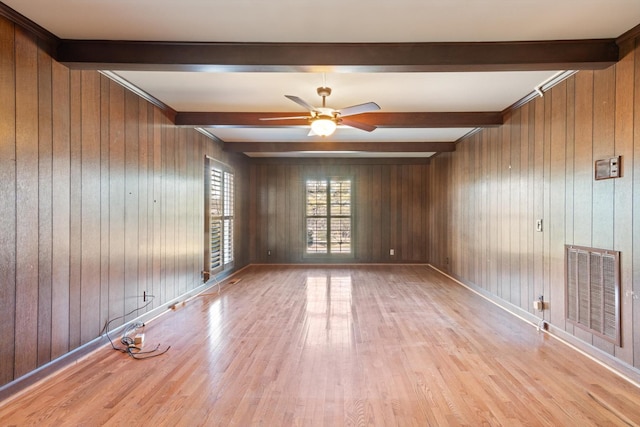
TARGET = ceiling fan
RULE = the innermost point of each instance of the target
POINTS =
(324, 120)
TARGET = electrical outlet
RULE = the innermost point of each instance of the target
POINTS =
(392, 251)
(539, 225)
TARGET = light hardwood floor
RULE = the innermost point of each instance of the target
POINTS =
(333, 346)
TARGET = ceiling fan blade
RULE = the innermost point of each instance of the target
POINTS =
(301, 102)
(285, 118)
(358, 125)
(358, 109)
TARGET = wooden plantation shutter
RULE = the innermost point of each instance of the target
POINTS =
(216, 220)
(227, 226)
(220, 205)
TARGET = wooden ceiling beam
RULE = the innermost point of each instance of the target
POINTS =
(382, 120)
(386, 147)
(317, 57)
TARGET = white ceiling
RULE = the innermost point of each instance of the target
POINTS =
(335, 22)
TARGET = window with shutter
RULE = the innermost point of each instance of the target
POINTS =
(328, 216)
(221, 213)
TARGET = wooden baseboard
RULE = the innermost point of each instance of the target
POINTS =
(620, 368)
(26, 382)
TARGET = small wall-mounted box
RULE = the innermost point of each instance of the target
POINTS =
(608, 168)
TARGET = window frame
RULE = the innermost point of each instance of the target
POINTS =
(226, 219)
(328, 255)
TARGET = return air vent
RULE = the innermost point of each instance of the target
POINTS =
(593, 291)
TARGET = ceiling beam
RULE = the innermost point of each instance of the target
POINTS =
(386, 147)
(317, 57)
(382, 120)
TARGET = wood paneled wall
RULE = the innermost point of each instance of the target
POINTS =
(487, 196)
(101, 198)
(390, 202)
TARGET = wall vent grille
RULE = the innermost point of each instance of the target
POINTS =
(593, 291)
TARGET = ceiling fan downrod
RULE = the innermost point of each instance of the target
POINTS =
(324, 91)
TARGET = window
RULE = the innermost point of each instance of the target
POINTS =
(220, 212)
(328, 216)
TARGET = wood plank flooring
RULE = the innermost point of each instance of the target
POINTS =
(334, 346)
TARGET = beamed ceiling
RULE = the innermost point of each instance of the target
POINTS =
(438, 69)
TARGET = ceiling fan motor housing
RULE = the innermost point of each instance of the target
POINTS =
(324, 91)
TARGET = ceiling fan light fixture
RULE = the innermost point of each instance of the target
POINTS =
(323, 126)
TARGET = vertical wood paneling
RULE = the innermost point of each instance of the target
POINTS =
(538, 200)
(104, 199)
(82, 215)
(493, 212)
(570, 167)
(116, 202)
(634, 296)
(526, 221)
(603, 147)
(623, 192)
(483, 243)
(282, 229)
(385, 213)
(376, 212)
(551, 144)
(515, 209)
(296, 206)
(143, 198)
(557, 207)
(8, 199)
(158, 201)
(547, 184)
(131, 201)
(26, 118)
(390, 210)
(531, 205)
(417, 208)
(61, 186)
(263, 236)
(75, 209)
(364, 226)
(505, 207)
(181, 199)
(90, 220)
(45, 202)
(583, 162)
(252, 227)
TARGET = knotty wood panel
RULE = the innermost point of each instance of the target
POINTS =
(544, 154)
(396, 200)
(102, 199)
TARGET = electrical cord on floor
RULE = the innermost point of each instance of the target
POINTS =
(130, 348)
(217, 283)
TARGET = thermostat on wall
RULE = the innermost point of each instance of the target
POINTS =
(608, 168)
